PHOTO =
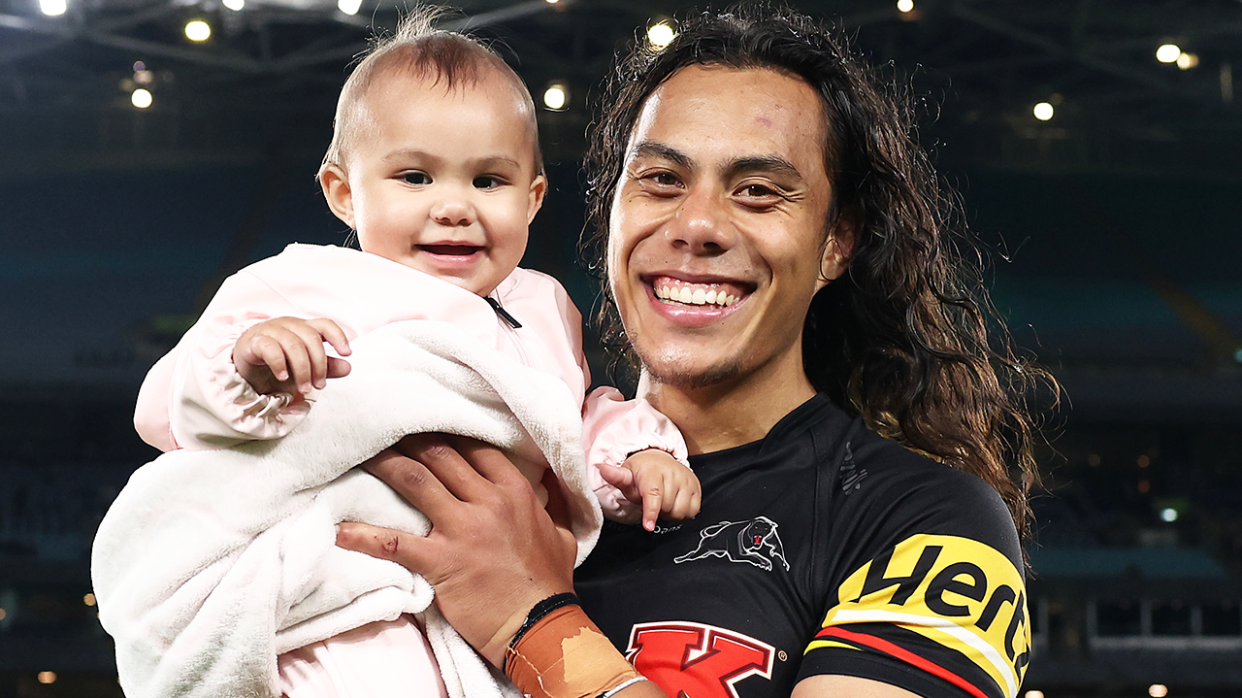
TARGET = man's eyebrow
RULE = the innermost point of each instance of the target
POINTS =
(652, 149)
(773, 164)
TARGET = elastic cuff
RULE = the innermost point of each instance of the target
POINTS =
(672, 452)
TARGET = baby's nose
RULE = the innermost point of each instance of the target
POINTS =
(454, 211)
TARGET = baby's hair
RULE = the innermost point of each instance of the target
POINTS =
(419, 50)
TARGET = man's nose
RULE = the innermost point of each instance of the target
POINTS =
(701, 224)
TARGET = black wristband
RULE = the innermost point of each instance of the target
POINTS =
(536, 614)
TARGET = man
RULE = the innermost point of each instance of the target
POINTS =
(777, 253)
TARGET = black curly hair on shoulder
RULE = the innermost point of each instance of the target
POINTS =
(908, 338)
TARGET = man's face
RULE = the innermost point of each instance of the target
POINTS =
(440, 180)
(718, 226)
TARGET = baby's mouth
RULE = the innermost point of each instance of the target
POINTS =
(453, 250)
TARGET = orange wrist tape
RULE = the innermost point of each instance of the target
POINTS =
(565, 656)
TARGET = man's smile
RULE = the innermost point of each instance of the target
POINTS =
(717, 294)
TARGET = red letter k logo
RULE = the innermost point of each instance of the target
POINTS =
(697, 661)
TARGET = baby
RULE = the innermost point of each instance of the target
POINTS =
(435, 164)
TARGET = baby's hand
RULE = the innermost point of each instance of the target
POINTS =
(286, 353)
(659, 482)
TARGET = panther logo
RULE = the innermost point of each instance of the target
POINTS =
(753, 541)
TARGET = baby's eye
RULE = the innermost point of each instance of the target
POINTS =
(416, 177)
(487, 182)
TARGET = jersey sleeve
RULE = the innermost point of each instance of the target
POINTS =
(933, 597)
(194, 396)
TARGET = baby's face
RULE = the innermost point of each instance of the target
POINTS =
(442, 181)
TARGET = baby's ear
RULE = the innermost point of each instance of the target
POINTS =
(538, 189)
(336, 191)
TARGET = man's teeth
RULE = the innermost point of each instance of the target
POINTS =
(697, 296)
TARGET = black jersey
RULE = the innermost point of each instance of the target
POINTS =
(822, 549)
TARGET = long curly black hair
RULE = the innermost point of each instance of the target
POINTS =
(907, 338)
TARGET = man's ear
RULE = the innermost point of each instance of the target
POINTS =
(838, 249)
(336, 191)
(538, 189)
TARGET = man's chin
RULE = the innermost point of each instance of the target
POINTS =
(674, 374)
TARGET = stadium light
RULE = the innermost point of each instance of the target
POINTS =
(660, 35)
(197, 30)
(556, 97)
(53, 8)
(1168, 53)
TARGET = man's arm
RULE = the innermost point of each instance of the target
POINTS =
(493, 552)
(833, 686)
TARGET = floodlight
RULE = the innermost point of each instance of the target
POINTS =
(1168, 53)
(141, 98)
(197, 30)
(660, 35)
(556, 97)
(53, 8)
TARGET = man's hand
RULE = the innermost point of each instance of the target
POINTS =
(493, 551)
(660, 483)
(286, 353)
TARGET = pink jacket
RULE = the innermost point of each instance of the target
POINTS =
(194, 397)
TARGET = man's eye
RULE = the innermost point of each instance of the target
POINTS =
(758, 191)
(487, 182)
(416, 178)
(660, 179)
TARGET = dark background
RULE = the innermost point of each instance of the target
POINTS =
(1113, 231)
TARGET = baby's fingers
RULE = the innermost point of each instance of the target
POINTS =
(653, 499)
(338, 368)
(267, 351)
(331, 333)
(685, 504)
(620, 478)
(307, 357)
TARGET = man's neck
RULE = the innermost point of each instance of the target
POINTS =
(716, 417)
